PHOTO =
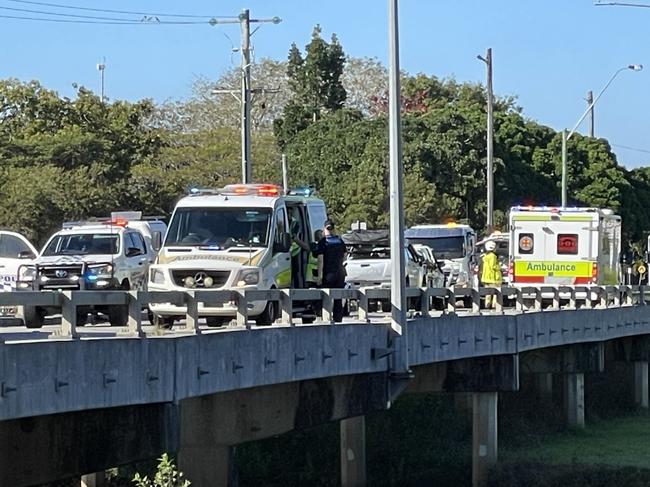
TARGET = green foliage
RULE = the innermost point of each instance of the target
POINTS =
(315, 83)
(166, 475)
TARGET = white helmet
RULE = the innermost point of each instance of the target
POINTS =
(490, 245)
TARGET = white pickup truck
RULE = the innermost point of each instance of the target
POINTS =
(15, 251)
(368, 263)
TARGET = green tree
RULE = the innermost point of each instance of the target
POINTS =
(315, 84)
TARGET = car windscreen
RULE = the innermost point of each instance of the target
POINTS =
(443, 247)
(83, 244)
(219, 228)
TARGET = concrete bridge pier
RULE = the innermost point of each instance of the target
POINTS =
(641, 384)
(208, 465)
(97, 479)
(353, 451)
(484, 435)
(574, 399)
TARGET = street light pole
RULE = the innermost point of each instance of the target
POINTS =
(399, 359)
(490, 142)
(590, 100)
(101, 67)
(566, 136)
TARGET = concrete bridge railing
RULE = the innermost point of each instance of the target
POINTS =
(420, 301)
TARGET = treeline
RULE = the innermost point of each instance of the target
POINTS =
(73, 158)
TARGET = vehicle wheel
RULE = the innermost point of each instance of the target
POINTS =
(386, 306)
(308, 320)
(467, 302)
(82, 318)
(217, 321)
(33, 317)
(269, 314)
(118, 315)
(166, 322)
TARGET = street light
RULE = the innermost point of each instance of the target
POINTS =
(566, 136)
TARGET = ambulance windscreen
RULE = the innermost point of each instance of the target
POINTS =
(219, 228)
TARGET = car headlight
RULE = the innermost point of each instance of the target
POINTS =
(103, 270)
(248, 277)
(156, 276)
(27, 274)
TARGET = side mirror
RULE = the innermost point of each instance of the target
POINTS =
(156, 241)
(26, 254)
(133, 251)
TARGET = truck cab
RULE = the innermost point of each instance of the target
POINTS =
(453, 245)
(236, 237)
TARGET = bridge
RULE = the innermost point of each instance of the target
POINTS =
(77, 400)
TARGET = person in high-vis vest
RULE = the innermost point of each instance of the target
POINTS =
(315, 265)
(490, 271)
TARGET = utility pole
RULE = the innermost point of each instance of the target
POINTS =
(245, 22)
(243, 95)
(101, 67)
(590, 101)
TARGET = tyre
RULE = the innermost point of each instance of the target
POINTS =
(33, 317)
(82, 318)
(217, 321)
(308, 319)
(118, 315)
(269, 314)
(386, 306)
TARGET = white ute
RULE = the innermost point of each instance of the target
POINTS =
(15, 250)
(104, 254)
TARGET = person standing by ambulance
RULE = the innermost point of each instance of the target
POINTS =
(333, 250)
(490, 272)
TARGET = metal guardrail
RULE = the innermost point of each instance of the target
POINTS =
(420, 300)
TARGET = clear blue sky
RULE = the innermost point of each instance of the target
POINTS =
(546, 52)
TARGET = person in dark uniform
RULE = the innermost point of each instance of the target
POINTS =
(333, 250)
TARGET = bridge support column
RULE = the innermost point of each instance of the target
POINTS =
(544, 385)
(208, 465)
(353, 451)
(484, 435)
(641, 384)
(574, 399)
(97, 479)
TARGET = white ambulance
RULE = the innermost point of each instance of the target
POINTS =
(564, 246)
(236, 237)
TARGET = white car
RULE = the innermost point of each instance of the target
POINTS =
(15, 250)
(94, 255)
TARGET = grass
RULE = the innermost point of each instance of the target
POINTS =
(618, 442)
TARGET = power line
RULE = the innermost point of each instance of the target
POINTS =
(621, 4)
(45, 12)
(105, 22)
(73, 7)
(646, 151)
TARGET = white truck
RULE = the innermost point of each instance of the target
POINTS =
(236, 237)
(15, 250)
(369, 263)
(564, 246)
(104, 254)
(453, 245)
